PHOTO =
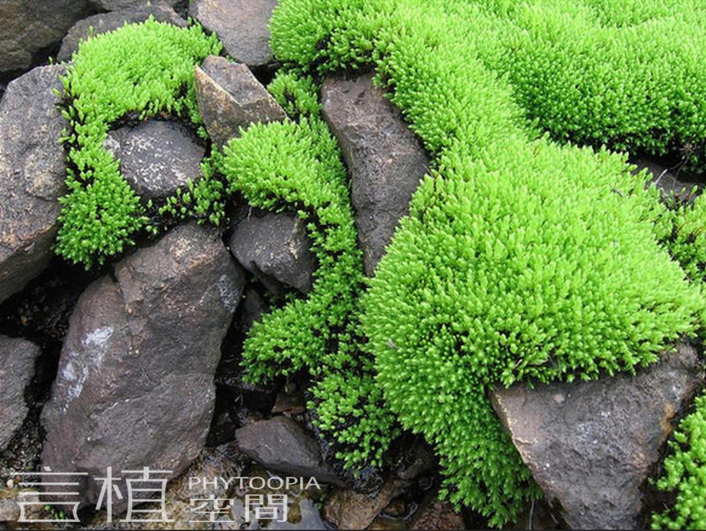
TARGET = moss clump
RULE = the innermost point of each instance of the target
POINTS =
(143, 70)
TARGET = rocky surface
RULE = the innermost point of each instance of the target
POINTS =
(229, 97)
(135, 380)
(116, 5)
(385, 160)
(17, 359)
(157, 157)
(32, 172)
(242, 26)
(590, 445)
(348, 509)
(27, 28)
(283, 445)
(105, 22)
(276, 248)
(437, 515)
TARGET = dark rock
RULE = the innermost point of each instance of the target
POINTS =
(105, 22)
(667, 180)
(29, 27)
(276, 248)
(135, 381)
(437, 515)
(348, 509)
(384, 158)
(17, 358)
(251, 309)
(242, 26)
(32, 172)
(590, 445)
(415, 460)
(229, 97)
(282, 445)
(116, 5)
(289, 404)
(157, 157)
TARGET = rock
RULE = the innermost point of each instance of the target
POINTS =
(436, 515)
(416, 458)
(591, 444)
(157, 157)
(105, 22)
(276, 248)
(135, 384)
(282, 445)
(32, 172)
(117, 5)
(251, 310)
(242, 26)
(28, 28)
(666, 180)
(384, 159)
(348, 509)
(17, 358)
(229, 97)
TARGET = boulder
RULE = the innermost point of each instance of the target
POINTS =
(242, 26)
(384, 158)
(590, 445)
(29, 28)
(282, 445)
(17, 358)
(229, 97)
(117, 5)
(105, 22)
(348, 509)
(135, 383)
(276, 248)
(157, 157)
(32, 172)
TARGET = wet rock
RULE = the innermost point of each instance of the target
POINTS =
(229, 97)
(667, 180)
(384, 158)
(105, 22)
(242, 26)
(415, 459)
(28, 28)
(17, 359)
(135, 384)
(276, 248)
(116, 5)
(32, 172)
(282, 445)
(437, 515)
(156, 157)
(590, 444)
(348, 509)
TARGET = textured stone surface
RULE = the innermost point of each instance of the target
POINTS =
(156, 157)
(105, 22)
(282, 445)
(242, 26)
(348, 509)
(116, 5)
(384, 159)
(29, 26)
(135, 379)
(32, 172)
(229, 97)
(276, 248)
(590, 444)
(17, 358)
(437, 515)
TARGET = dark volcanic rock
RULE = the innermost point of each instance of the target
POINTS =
(32, 172)
(276, 248)
(282, 445)
(135, 384)
(591, 444)
(28, 27)
(105, 22)
(17, 358)
(230, 97)
(157, 157)
(384, 159)
(115, 5)
(242, 26)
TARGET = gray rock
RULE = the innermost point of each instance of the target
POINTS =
(276, 248)
(28, 27)
(156, 157)
(229, 97)
(105, 22)
(591, 444)
(17, 358)
(385, 160)
(242, 26)
(135, 384)
(667, 180)
(282, 445)
(348, 509)
(32, 172)
(117, 5)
